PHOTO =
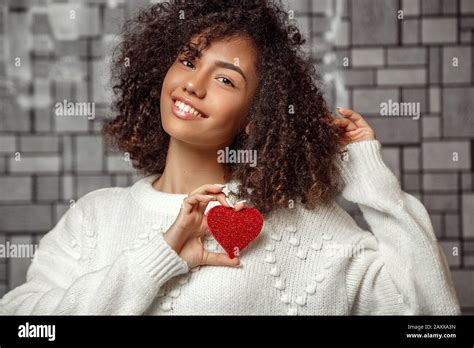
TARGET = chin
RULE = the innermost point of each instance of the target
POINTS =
(183, 132)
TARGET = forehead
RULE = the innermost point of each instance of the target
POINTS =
(238, 48)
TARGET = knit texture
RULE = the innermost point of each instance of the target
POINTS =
(107, 255)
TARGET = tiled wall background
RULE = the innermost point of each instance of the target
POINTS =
(367, 51)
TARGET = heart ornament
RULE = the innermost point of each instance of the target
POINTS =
(234, 231)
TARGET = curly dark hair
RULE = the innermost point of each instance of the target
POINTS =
(291, 128)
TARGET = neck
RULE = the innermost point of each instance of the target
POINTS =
(188, 167)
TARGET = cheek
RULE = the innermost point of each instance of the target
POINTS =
(226, 123)
(229, 112)
(165, 91)
(170, 80)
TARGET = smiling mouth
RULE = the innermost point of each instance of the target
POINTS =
(185, 111)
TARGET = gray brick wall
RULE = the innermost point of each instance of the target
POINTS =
(367, 51)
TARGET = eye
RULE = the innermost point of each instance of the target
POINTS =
(226, 81)
(185, 62)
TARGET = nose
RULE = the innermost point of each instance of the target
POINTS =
(195, 86)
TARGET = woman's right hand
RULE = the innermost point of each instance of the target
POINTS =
(186, 233)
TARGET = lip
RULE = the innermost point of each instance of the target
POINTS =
(186, 115)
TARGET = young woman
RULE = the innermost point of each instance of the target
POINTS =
(196, 77)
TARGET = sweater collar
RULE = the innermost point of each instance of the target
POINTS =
(151, 199)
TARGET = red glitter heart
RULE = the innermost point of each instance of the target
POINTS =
(234, 230)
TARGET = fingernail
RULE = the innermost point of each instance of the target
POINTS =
(211, 197)
(243, 201)
(220, 185)
(229, 202)
(339, 108)
(240, 265)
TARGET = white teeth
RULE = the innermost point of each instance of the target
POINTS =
(187, 108)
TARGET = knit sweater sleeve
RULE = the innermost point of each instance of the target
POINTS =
(402, 269)
(59, 283)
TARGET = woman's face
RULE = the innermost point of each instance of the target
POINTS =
(219, 85)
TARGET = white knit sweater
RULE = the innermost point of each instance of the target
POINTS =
(107, 255)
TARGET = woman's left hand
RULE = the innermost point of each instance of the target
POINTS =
(356, 128)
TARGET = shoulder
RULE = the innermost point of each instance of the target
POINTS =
(95, 204)
(89, 212)
(103, 197)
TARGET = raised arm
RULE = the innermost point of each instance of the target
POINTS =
(403, 269)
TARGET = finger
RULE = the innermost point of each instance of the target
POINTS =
(341, 122)
(345, 123)
(240, 205)
(353, 116)
(337, 122)
(191, 201)
(208, 188)
(221, 198)
(219, 259)
(361, 133)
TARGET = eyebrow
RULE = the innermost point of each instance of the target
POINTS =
(195, 52)
(230, 66)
